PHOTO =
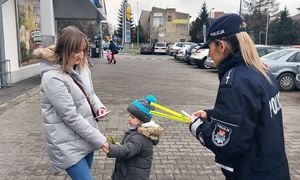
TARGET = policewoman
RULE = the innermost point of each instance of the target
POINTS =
(244, 129)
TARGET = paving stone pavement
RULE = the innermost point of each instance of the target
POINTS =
(177, 156)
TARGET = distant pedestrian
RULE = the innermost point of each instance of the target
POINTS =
(114, 50)
(244, 129)
(70, 105)
(135, 153)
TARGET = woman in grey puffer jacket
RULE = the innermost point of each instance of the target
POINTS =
(70, 105)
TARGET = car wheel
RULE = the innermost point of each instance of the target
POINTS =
(286, 82)
(203, 65)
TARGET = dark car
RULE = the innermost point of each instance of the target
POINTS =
(189, 53)
(146, 48)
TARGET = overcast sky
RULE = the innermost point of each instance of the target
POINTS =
(187, 6)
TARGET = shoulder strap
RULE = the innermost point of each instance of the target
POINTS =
(88, 99)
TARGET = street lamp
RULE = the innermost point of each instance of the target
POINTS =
(268, 19)
(259, 36)
(101, 37)
(210, 15)
(138, 24)
(240, 13)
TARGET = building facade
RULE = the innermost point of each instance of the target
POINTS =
(28, 24)
(166, 25)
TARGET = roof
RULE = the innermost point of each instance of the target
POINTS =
(296, 17)
(77, 10)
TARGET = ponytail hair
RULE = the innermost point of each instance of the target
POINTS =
(250, 54)
(242, 43)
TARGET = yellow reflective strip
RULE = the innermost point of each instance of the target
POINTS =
(166, 109)
(169, 116)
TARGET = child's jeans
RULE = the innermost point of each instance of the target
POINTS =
(81, 170)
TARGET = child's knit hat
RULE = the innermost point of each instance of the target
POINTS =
(141, 108)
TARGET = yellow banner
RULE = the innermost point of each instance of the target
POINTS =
(180, 21)
(128, 12)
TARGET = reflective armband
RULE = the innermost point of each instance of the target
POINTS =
(194, 126)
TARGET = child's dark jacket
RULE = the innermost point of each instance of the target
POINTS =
(134, 155)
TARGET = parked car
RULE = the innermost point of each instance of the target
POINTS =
(295, 46)
(160, 48)
(119, 46)
(261, 50)
(264, 49)
(106, 46)
(175, 48)
(210, 63)
(169, 45)
(297, 83)
(199, 57)
(181, 55)
(284, 65)
(189, 53)
(146, 48)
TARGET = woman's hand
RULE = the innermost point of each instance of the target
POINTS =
(100, 112)
(202, 114)
(105, 147)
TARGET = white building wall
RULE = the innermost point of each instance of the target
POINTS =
(18, 73)
(47, 22)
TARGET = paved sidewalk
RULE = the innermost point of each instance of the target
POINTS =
(18, 92)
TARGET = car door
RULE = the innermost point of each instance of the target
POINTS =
(294, 62)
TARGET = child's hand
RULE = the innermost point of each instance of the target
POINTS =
(105, 147)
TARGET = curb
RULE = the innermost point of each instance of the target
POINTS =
(5, 106)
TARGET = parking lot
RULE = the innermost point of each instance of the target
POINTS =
(175, 84)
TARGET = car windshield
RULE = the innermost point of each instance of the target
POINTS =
(146, 45)
(160, 44)
(276, 55)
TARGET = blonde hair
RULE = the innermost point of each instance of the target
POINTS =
(241, 42)
(68, 42)
(250, 54)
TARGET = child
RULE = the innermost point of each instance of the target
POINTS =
(109, 56)
(135, 153)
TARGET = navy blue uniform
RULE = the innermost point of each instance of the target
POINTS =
(244, 129)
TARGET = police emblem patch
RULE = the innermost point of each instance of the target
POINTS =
(221, 135)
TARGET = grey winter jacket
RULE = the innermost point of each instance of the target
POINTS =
(69, 126)
(134, 155)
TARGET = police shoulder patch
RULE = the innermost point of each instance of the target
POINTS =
(227, 79)
(221, 135)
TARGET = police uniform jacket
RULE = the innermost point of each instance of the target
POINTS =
(244, 129)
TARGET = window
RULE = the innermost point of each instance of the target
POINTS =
(158, 22)
(276, 55)
(297, 57)
(169, 18)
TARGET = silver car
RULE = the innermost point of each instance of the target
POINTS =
(284, 64)
(210, 63)
(298, 79)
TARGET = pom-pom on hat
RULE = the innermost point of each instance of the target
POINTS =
(141, 108)
(224, 26)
